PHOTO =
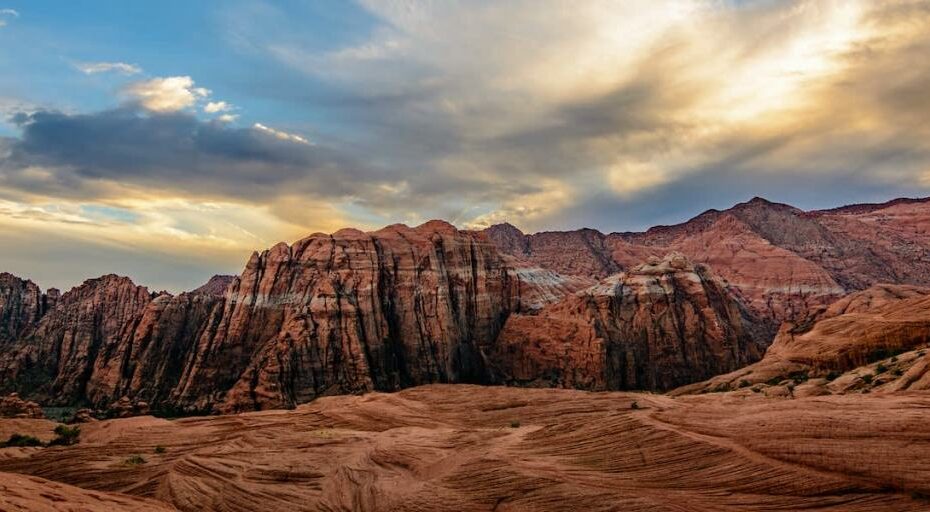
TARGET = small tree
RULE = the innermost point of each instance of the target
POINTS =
(67, 436)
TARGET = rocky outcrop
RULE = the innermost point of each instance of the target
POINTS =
(21, 306)
(340, 313)
(12, 406)
(658, 326)
(216, 286)
(582, 252)
(858, 331)
(352, 312)
(781, 260)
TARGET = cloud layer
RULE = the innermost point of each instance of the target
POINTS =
(543, 113)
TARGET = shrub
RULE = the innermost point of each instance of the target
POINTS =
(832, 376)
(774, 381)
(67, 436)
(634, 405)
(881, 368)
(514, 424)
(867, 378)
(744, 383)
(135, 460)
(756, 389)
(19, 440)
(897, 372)
(798, 377)
(160, 449)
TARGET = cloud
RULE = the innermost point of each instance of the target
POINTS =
(169, 94)
(613, 115)
(10, 13)
(216, 106)
(622, 100)
(278, 134)
(92, 68)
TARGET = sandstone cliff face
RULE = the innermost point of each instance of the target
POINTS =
(658, 326)
(353, 312)
(59, 354)
(781, 260)
(21, 306)
(340, 313)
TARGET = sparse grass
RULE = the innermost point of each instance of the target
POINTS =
(19, 441)
(135, 460)
(514, 424)
(160, 449)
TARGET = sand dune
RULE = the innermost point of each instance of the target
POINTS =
(460, 447)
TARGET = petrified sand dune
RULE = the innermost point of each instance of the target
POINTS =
(19, 493)
(860, 333)
(464, 448)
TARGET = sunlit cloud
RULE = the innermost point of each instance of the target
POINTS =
(168, 94)
(213, 107)
(278, 134)
(603, 113)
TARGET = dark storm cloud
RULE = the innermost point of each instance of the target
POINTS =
(173, 151)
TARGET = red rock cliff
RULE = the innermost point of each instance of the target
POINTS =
(661, 325)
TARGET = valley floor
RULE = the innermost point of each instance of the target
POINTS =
(460, 447)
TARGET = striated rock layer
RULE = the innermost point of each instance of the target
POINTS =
(342, 313)
(467, 448)
(661, 325)
(22, 304)
(781, 260)
(860, 333)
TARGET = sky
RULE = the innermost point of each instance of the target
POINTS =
(168, 140)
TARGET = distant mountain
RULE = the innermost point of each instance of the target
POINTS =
(352, 312)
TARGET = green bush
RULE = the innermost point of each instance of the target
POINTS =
(774, 381)
(881, 368)
(867, 378)
(744, 383)
(514, 424)
(19, 440)
(897, 372)
(67, 436)
(135, 460)
(833, 375)
(634, 405)
(160, 449)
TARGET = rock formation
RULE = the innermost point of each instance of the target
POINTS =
(466, 448)
(781, 260)
(12, 406)
(353, 312)
(854, 334)
(22, 304)
(658, 326)
(340, 313)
